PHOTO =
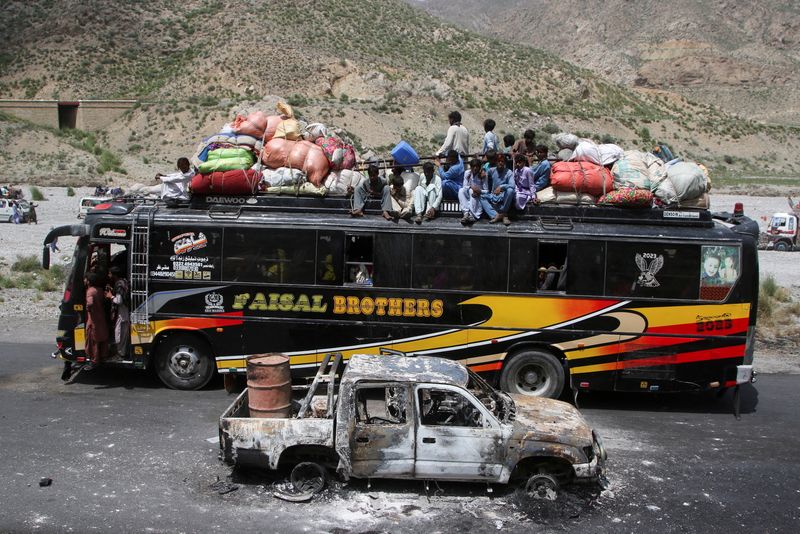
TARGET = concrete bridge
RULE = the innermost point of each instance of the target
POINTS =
(82, 114)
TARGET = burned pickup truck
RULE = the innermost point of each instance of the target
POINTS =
(416, 418)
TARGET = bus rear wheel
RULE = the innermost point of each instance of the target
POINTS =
(184, 362)
(535, 373)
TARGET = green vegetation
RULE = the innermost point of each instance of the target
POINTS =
(36, 194)
(70, 192)
(27, 273)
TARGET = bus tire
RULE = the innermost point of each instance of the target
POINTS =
(184, 362)
(533, 372)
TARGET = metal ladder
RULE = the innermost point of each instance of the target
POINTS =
(140, 269)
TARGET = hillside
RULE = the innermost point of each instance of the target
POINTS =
(378, 70)
(743, 55)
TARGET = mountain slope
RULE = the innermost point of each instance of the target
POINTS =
(744, 55)
(379, 70)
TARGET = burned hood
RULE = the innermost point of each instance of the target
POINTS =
(541, 419)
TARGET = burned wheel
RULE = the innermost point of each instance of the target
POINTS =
(308, 477)
(184, 362)
(535, 373)
(542, 486)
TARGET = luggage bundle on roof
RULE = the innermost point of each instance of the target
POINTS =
(261, 153)
(605, 174)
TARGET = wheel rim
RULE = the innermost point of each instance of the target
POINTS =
(532, 379)
(184, 362)
(308, 477)
(542, 487)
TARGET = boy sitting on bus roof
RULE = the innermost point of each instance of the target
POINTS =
(400, 201)
(498, 202)
(428, 194)
(541, 173)
(469, 196)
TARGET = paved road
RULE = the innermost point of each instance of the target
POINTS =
(126, 454)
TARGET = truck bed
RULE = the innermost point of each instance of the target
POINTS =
(259, 441)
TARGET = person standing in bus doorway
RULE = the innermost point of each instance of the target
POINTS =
(452, 175)
(428, 194)
(96, 325)
(373, 187)
(175, 186)
(497, 203)
(120, 311)
(457, 136)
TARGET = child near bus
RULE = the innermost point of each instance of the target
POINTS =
(96, 326)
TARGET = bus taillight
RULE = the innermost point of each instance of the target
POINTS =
(738, 209)
(67, 294)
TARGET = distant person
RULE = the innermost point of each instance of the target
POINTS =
(96, 331)
(508, 145)
(16, 216)
(490, 140)
(120, 311)
(175, 186)
(428, 194)
(54, 245)
(457, 136)
(525, 146)
(452, 174)
(32, 217)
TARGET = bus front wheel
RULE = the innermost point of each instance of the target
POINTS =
(533, 372)
(184, 362)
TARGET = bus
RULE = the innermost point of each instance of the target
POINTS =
(585, 297)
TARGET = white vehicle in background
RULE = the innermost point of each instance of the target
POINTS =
(88, 203)
(782, 229)
(7, 212)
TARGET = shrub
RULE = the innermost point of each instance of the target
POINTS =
(70, 192)
(26, 264)
(551, 128)
(36, 194)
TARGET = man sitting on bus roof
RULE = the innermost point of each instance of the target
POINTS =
(175, 186)
(452, 175)
(373, 187)
(428, 194)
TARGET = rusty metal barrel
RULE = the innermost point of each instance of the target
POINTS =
(269, 386)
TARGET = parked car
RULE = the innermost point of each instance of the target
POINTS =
(416, 418)
(7, 212)
(88, 203)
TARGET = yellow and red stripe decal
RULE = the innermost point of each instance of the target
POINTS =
(735, 351)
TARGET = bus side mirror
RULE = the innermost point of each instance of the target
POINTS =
(46, 258)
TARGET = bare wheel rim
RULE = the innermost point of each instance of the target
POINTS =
(542, 487)
(184, 362)
(532, 379)
(308, 477)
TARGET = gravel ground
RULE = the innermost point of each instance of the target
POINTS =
(33, 314)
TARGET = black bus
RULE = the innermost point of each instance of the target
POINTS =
(588, 297)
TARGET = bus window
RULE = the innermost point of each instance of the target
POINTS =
(279, 257)
(185, 253)
(393, 260)
(523, 276)
(552, 272)
(358, 262)
(586, 267)
(652, 270)
(329, 257)
(467, 263)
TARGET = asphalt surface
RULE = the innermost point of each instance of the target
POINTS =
(126, 454)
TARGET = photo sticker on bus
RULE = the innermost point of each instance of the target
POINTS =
(719, 270)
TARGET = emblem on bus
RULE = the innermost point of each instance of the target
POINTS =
(187, 242)
(214, 303)
(648, 269)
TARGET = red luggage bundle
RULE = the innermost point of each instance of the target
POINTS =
(340, 155)
(581, 177)
(303, 155)
(238, 182)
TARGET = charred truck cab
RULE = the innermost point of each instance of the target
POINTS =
(586, 297)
